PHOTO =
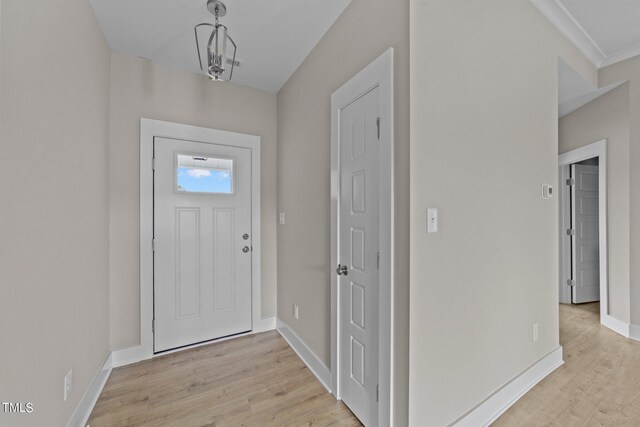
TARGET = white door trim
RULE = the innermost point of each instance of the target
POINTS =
(149, 129)
(377, 74)
(596, 149)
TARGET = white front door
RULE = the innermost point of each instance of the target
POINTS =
(359, 257)
(202, 242)
(585, 241)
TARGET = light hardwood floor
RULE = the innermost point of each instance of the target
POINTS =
(250, 381)
(259, 381)
(599, 384)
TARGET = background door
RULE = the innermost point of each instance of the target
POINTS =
(202, 242)
(358, 247)
(585, 240)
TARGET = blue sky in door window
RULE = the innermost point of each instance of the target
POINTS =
(204, 175)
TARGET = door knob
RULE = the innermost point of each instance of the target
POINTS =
(245, 249)
(245, 236)
(342, 270)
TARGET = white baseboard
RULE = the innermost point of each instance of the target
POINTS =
(494, 406)
(309, 358)
(88, 401)
(627, 330)
(130, 355)
(634, 332)
(264, 325)
(127, 356)
(616, 325)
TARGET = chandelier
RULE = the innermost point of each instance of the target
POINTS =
(220, 61)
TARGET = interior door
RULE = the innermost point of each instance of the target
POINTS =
(585, 240)
(202, 242)
(358, 250)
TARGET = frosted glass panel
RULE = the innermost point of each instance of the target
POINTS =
(204, 175)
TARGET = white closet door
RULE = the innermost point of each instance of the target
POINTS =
(586, 238)
(359, 228)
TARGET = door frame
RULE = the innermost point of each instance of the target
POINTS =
(597, 149)
(377, 74)
(149, 130)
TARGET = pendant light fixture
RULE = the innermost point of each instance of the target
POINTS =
(220, 60)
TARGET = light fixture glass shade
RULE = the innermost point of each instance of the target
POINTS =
(220, 52)
(217, 51)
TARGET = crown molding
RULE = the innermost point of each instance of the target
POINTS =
(564, 22)
(621, 56)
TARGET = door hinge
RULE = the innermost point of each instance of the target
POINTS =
(571, 232)
(377, 392)
(378, 261)
(153, 164)
(153, 245)
(378, 124)
(153, 325)
(571, 282)
(571, 181)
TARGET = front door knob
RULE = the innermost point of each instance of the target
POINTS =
(245, 249)
(342, 270)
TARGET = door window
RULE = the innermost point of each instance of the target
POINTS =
(201, 174)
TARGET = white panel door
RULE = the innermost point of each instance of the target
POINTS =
(202, 242)
(358, 249)
(585, 240)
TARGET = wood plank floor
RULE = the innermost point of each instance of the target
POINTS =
(599, 384)
(250, 381)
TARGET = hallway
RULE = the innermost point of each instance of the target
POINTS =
(599, 384)
(256, 380)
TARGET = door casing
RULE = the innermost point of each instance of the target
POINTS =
(149, 129)
(377, 74)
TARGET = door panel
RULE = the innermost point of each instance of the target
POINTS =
(224, 256)
(358, 249)
(187, 262)
(586, 239)
(202, 209)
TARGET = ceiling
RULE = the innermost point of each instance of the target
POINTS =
(606, 31)
(574, 91)
(273, 36)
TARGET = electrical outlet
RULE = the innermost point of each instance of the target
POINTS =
(68, 384)
(432, 220)
(296, 311)
(535, 332)
(281, 218)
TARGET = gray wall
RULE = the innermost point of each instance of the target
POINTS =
(630, 70)
(140, 88)
(54, 227)
(366, 29)
(607, 117)
(484, 138)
